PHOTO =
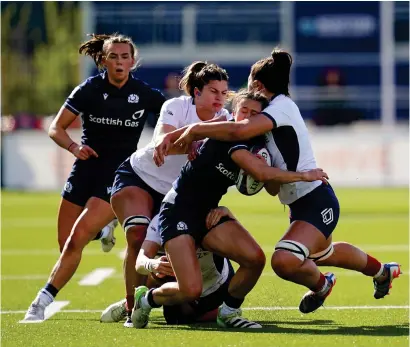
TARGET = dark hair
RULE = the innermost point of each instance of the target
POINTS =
(199, 74)
(97, 45)
(251, 95)
(274, 72)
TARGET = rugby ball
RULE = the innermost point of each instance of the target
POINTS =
(245, 183)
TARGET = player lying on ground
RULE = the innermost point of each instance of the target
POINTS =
(216, 275)
(314, 207)
(183, 226)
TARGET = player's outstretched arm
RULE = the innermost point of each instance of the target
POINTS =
(164, 142)
(226, 131)
(262, 172)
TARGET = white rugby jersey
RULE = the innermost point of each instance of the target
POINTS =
(177, 112)
(212, 278)
(289, 146)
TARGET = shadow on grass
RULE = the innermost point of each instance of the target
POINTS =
(307, 327)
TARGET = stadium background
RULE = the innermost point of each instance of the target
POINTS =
(351, 81)
(350, 76)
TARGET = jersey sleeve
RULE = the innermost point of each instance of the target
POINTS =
(157, 101)
(77, 100)
(153, 234)
(172, 113)
(278, 117)
(236, 146)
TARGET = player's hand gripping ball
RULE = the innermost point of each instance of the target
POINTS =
(245, 183)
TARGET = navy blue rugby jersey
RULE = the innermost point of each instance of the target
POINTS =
(205, 180)
(113, 118)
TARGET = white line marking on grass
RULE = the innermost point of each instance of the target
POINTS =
(51, 310)
(96, 276)
(291, 308)
(268, 308)
(121, 254)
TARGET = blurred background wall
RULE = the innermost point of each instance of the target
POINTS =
(350, 76)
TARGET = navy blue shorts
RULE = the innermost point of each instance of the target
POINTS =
(90, 178)
(125, 176)
(320, 208)
(176, 220)
(175, 314)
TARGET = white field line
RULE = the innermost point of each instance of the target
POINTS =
(51, 310)
(96, 277)
(37, 277)
(268, 308)
(121, 253)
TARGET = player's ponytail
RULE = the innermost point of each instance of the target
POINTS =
(274, 72)
(198, 74)
(96, 47)
(189, 77)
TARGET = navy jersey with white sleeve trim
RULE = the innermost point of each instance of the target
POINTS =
(289, 146)
(113, 118)
(203, 181)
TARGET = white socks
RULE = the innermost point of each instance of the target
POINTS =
(225, 309)
(44, 297)
(144, 303)
(376, 276)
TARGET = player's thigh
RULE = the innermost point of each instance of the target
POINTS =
(314, 218)
(132, 201)
(231, 240)
(308, 235)
(68, 213)
(181, 253)
(131, 196)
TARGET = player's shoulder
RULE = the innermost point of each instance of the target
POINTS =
(143, 87)
(280, 102)
(182, 102)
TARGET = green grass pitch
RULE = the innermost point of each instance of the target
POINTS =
(374, 219)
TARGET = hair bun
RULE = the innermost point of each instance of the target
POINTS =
(281, 58)
(198, 66)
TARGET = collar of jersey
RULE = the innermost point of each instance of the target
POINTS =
(107, 82)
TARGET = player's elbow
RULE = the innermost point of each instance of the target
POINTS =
(261, 175)
(53, 131)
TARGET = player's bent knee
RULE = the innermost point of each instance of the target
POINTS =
(256, 259)
(192, 292)
(133, 223)
(288, 256)
(135, 228)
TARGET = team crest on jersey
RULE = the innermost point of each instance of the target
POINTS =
(182, 226)
(105, 95)
(133, 98)
(68, 187)
(327, 215)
